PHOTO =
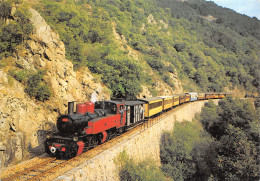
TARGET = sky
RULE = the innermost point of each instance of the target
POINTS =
(248, 7)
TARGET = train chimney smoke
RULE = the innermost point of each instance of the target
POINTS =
(93, 97)
(70, 108)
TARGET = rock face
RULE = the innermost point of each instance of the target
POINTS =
(23, 121)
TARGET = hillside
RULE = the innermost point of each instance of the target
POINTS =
(121, 48)
(170, 37)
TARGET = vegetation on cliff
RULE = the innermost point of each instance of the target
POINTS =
(16, 31)
(225, 147)
(177, 38)
(209, 47)
(35, 86)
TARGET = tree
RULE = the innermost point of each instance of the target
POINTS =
(237, 157)
(179, 155)
(130, 170)
(233, 124)
(5, 9)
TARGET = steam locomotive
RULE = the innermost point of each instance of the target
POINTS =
(95, 123)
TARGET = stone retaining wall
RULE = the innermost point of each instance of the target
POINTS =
(145, 144)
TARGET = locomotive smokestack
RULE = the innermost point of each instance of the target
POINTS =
(70, 107)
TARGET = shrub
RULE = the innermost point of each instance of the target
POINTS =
(168, 80)
(16, 31)
(145, 170)
(35, 85)
(20, 76)
(184, 152)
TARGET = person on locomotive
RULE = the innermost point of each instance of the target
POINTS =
(141, 112)
(121, 111)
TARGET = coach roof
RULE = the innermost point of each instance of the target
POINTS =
(150, 99)
(132, 103)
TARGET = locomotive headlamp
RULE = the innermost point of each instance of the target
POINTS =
(75, 138)
(53, 149)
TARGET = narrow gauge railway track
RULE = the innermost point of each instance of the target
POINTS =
(52, 168)
(35, 171)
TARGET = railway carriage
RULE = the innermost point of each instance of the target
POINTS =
(153, 106)
(176, 100)
(209, 96)
(193, 96)
(215, 95)
(181, 98)
(134, 112)
(167, 102)
(201, 96)
(187, 97)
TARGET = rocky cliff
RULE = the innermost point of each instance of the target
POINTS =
(23, 120)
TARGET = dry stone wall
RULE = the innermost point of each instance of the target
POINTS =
(145, 144)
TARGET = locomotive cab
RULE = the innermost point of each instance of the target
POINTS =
(108, 107)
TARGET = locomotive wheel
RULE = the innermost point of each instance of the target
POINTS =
(94, 142)
(66, 156)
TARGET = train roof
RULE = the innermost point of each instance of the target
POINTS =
(149, 99)
(115, 102)
(179, 94)
(175, 95)
(193, 93)
(164, 97)
(133, 103)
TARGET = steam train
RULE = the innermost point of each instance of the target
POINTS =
(96, 123)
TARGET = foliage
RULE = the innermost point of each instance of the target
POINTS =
(226, 149)
(169, 35)
(233, 124)
(184, 151)
(34, 82)
(237, 156)
(237, 113)
(88, 43)
(5, 9)
(15, 32)
(130, 170)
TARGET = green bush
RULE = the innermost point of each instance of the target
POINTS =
(15, 32)
(35, 85)
(37, 88)
(184, 152)
(232, 124)
(21, 76)
(130, 170)
(5, 9)
(166, 79)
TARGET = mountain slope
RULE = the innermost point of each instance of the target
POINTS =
(178, 38)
